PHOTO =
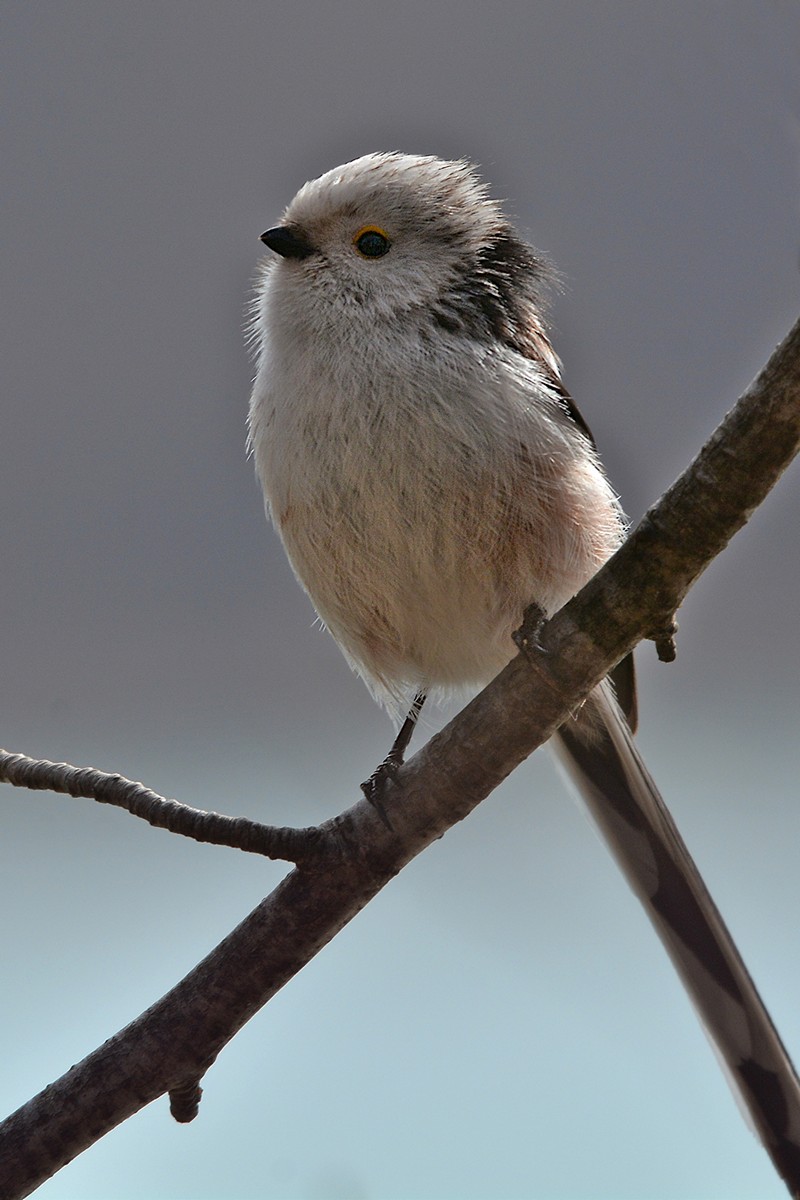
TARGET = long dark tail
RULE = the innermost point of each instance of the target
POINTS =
(598, 750)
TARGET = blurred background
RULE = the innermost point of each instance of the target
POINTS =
(501, 1021)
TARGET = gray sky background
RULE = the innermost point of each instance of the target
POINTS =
(501, 1022)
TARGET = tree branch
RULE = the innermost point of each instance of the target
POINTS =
(634, 596)
(239, 833)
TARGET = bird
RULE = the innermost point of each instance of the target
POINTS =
(430, 478)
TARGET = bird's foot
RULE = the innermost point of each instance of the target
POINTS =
(376, 787)
(527, 635)
(385, 774)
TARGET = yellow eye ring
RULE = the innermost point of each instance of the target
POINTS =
(372, 242)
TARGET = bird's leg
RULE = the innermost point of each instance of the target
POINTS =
(400, 744)
(374, 787)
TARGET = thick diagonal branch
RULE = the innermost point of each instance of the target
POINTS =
(633, 597)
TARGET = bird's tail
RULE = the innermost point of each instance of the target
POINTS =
(598, 751)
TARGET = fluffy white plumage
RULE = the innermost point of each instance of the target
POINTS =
(425, 481)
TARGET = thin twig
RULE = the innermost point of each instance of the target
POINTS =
(298, 846)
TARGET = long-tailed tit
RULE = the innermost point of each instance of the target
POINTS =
(430, 478)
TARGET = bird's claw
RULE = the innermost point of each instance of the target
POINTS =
(374, 788)
(528, 633)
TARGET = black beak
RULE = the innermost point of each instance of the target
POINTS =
(288, 242)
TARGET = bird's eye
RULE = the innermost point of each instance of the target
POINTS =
(372, 242)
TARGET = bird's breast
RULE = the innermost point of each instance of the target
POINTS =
(422, 514)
